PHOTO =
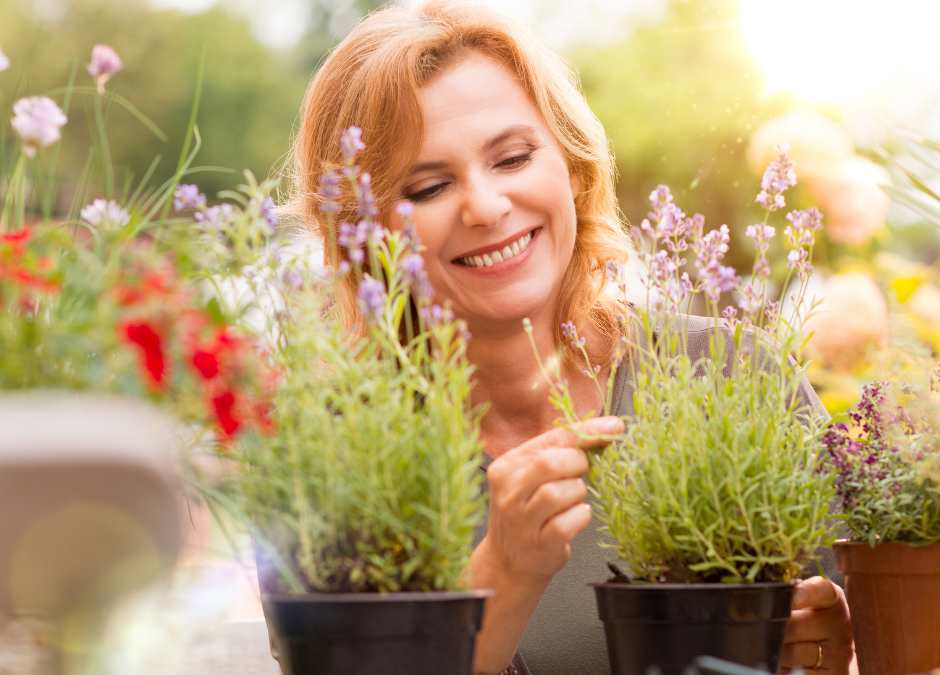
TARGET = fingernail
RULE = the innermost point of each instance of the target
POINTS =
(612, 425)
(799, 597)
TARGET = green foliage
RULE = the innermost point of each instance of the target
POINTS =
(249, 102)
(716, 478)
(372, 480)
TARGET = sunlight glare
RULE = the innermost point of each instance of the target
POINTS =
(835, 51)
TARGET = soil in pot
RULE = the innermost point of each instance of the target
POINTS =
(668, 625)
(375, 634)
(893, 592)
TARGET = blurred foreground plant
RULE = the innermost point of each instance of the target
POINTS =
(115, 296)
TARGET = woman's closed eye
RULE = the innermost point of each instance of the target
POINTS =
(516, 161)
(424, 194)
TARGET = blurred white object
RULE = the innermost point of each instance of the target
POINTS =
(88, 513)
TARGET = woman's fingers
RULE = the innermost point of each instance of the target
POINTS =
(816, 593)
(819, 625)
(560, 530)
(553, 497)
(593, 433)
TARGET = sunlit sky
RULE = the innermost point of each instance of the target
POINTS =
(867, 57)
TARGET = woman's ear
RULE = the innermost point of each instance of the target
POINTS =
(574, 177)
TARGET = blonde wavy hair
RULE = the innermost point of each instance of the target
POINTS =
(372, 80)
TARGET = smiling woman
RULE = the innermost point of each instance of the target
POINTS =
(484, 130)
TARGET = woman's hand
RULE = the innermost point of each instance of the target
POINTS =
(819, 625)
(536, 509)
(537, 499)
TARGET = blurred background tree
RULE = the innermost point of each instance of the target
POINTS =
(694, 94)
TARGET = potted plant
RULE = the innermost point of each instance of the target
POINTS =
(885, 459)
(714, 495)
(110, 318)
(363, 501)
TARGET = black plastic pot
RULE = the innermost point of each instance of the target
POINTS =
(668, 625)
(375, 634)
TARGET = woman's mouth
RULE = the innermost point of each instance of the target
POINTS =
(499, 255)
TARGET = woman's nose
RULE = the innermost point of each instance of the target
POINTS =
(485, 205)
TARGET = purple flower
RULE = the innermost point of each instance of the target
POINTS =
(292, 280)
(405, 209)
(101, 212)
(761, 268)
(37, 120)
(215, 216)
(265, 211)
(730, 314)
(711, 248)
(761, 234)
(718, 279)
(435, 315)
(350, 142)
(777, 178)
(570, 333)
(4, 61)
(105, 63)
(356, 256)
(797, 259)
(371, 298)
(330, 192)
(367, 208)
(751, 302)
(188, 197)
(617, 274)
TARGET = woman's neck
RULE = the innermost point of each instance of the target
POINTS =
(509, 380)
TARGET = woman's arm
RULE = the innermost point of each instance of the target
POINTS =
(536, 509)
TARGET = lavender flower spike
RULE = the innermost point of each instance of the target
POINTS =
(777, 178)
(188, 197)
(330, 192)
(350, 142)
(4, 61)
(105, 63)
(37, 120)
(371, 298)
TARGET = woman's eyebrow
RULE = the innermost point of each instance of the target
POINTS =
(489, 145)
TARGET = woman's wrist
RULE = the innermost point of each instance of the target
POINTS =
(506, 614)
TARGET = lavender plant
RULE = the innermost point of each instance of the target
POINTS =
(716, 477)
(371, 480)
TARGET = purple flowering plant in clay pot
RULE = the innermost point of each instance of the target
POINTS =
(885, 457)
(713, 496)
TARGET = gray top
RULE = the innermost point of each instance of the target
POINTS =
(564, 636)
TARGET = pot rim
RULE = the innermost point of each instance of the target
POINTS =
(648, 586)
(365, 598)
(911, 544)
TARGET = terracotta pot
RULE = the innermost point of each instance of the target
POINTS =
(893, 591)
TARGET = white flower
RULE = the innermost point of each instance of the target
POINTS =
(101, 212)
(37, 120)
(4, 61)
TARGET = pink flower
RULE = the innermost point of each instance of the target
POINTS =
(36, 120)
(105, 63)
(107, 212)
(855, 204)
(4, 61)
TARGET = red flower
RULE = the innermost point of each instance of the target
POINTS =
(27, 278)
(206, 363)
(144, 336)
(224, 405)
(16, 240)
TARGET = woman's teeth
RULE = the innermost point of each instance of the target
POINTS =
(493, 257)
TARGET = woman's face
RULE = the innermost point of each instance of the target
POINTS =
(494, 202)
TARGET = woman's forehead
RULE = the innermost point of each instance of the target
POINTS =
(478, 100)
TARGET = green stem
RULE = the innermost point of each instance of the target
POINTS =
(107, 170)
(15, 179)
